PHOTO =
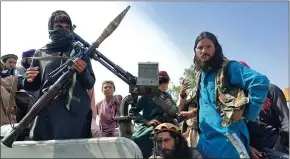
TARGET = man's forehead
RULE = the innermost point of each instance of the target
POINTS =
(11, 59)
(164, 134)
(108, 85)
(205, 42)
(63, 24)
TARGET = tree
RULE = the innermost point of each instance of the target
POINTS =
(187, 74)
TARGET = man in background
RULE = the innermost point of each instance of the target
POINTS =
(271, 129)
(25, 61)
(9, 63)
(108, 109)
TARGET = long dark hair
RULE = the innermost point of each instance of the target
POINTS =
(217, 58)
(182, 150)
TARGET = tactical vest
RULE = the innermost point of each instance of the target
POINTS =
(230, 100)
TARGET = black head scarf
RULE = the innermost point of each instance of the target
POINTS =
(61, 39)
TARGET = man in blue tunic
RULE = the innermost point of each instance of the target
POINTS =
(217, 138)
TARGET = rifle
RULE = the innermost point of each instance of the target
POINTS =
(62, 82)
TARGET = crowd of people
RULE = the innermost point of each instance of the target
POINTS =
(234, 111)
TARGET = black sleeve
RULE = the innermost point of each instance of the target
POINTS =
(135, 111)
(280, 107)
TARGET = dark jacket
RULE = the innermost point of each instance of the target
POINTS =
(59, 121)
(273, 121)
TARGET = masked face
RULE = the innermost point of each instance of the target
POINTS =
(61, 32)
(166, 144)
(26, 62)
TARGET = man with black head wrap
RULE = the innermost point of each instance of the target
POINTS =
(70, 115)
(25, 61)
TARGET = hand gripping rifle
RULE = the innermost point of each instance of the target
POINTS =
(58, 87)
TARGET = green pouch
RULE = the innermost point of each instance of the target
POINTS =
(142, 131)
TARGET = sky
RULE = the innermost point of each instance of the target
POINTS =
(255, 32)
(164, 32)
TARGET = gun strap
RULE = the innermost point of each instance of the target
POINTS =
(70, 93)
(71, 89)
(158, 101)
(48, 58)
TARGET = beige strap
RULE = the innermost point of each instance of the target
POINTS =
(238, 144)
(48, 58)
(71, 89)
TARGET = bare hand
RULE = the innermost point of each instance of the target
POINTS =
(153, 122)
(255, 153)
(185, 85)
(188, 114)
(184, 135)
(79, 65)
(31, 73)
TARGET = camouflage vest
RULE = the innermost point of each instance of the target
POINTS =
(230, 100)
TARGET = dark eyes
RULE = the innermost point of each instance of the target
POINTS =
(163, 140)
(61, 27)
(201, 47)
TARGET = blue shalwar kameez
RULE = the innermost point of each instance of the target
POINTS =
(212, 141)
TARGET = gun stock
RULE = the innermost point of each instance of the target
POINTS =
(43, 101)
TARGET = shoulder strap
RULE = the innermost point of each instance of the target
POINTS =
(167, 109)
(221, 76)
(48, 58)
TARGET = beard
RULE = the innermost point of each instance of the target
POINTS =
(214, 62)
(205, 65)
(166, 153)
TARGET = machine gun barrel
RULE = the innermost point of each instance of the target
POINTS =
(117, 70)
(98, 56)
(56, 89)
